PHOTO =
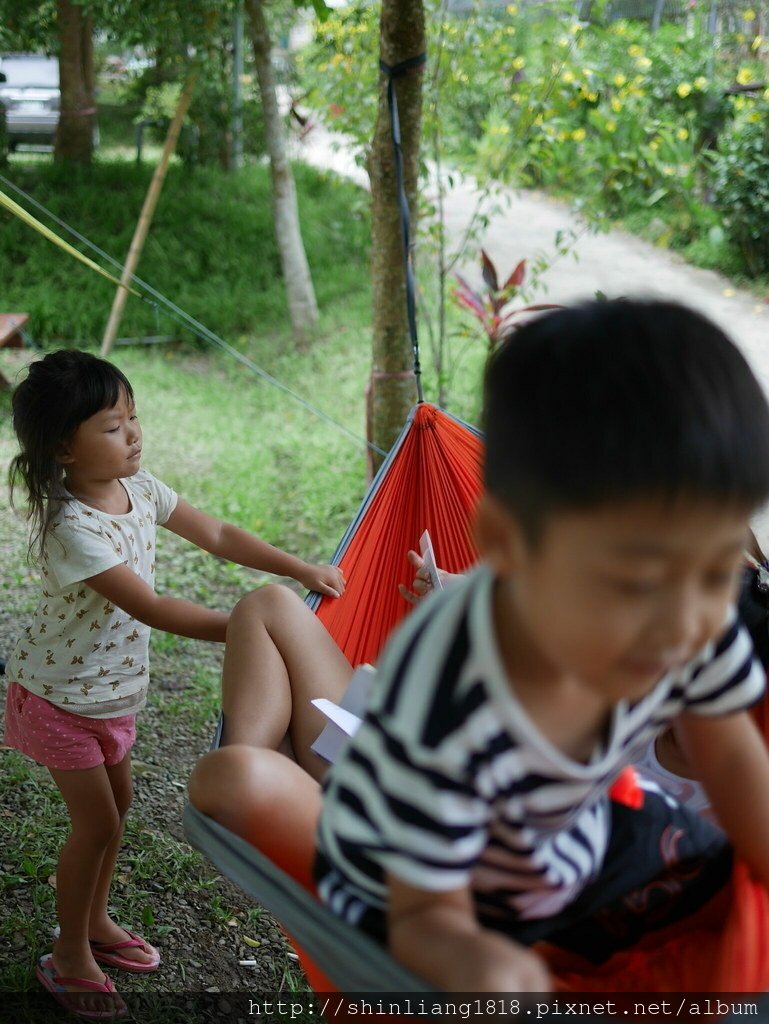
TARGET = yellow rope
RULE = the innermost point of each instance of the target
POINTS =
(27, 218)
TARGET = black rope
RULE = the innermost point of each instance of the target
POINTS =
(393, 72)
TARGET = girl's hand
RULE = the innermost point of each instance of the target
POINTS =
(421, 584)
(324, 579)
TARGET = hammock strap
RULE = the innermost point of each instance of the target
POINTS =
(32, 222)
(404, 67)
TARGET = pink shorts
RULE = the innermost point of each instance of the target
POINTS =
(60, 740)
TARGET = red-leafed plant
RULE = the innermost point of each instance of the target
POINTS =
(491, 306)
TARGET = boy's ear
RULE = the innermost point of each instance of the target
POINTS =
(498, 535)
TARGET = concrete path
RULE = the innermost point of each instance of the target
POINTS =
(615, 263)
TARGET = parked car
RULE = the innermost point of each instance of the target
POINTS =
(30, 95)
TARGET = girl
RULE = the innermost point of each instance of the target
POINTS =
(79, 674)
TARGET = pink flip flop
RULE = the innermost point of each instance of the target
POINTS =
(73, 1001)
(109, 953)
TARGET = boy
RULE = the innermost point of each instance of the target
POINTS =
(627, 445)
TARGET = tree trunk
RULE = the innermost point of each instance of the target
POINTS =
(302, 306)
(77, 117)
(392, 389)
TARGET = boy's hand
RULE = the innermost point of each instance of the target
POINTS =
(324, 579)
(421, 585)
(437, 935)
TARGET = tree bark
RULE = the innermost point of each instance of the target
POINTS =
(392, 390)
(77, 116)
(300, 294)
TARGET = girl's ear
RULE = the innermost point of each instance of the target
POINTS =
(498, 535)
(63, 454)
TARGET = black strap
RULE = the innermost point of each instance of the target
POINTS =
(393, 72)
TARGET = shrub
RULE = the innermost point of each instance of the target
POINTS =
(741, 184)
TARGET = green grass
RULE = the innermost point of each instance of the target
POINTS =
(211, 249)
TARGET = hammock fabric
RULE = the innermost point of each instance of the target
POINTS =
(431, 480)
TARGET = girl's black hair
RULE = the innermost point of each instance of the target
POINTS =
(61, 391)
(610, 401)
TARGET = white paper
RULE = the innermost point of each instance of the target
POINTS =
(428, 556)
(344, 718)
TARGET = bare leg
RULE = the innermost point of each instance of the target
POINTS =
(101, 927)
(277, 659)
(265, 798)
(95, 823)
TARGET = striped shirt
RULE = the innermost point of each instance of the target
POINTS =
(448, 782)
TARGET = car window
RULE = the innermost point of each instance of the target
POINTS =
(40, 72)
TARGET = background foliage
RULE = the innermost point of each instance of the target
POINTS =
(649, 127)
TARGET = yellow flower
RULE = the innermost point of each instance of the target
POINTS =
(516, 97)
(739, 36)
(567, 77)
(579, 134)
(511, 9)
(668, 171)
(744, 75)
(753, 117)
(682, 134)
(611, 126)
(616, 105)
(654, 144)
(619, 80)
(643, 63)
(519, 62)
(756, 42)
(563, 41)
(683, 89)
(337, 59)
(740, 103)
(635, 50)
(700, 83)
(749, 15)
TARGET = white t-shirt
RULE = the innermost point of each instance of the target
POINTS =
(688, 792)
(80, 651)
(448, 782)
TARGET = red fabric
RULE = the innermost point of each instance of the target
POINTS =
(625, 789)
(432, 484)
(722, 948)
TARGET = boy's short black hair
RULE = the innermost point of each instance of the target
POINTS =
(609, 401)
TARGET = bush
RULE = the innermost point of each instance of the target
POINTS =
(741, 183)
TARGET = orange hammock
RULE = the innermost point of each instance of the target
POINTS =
(432, 480)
